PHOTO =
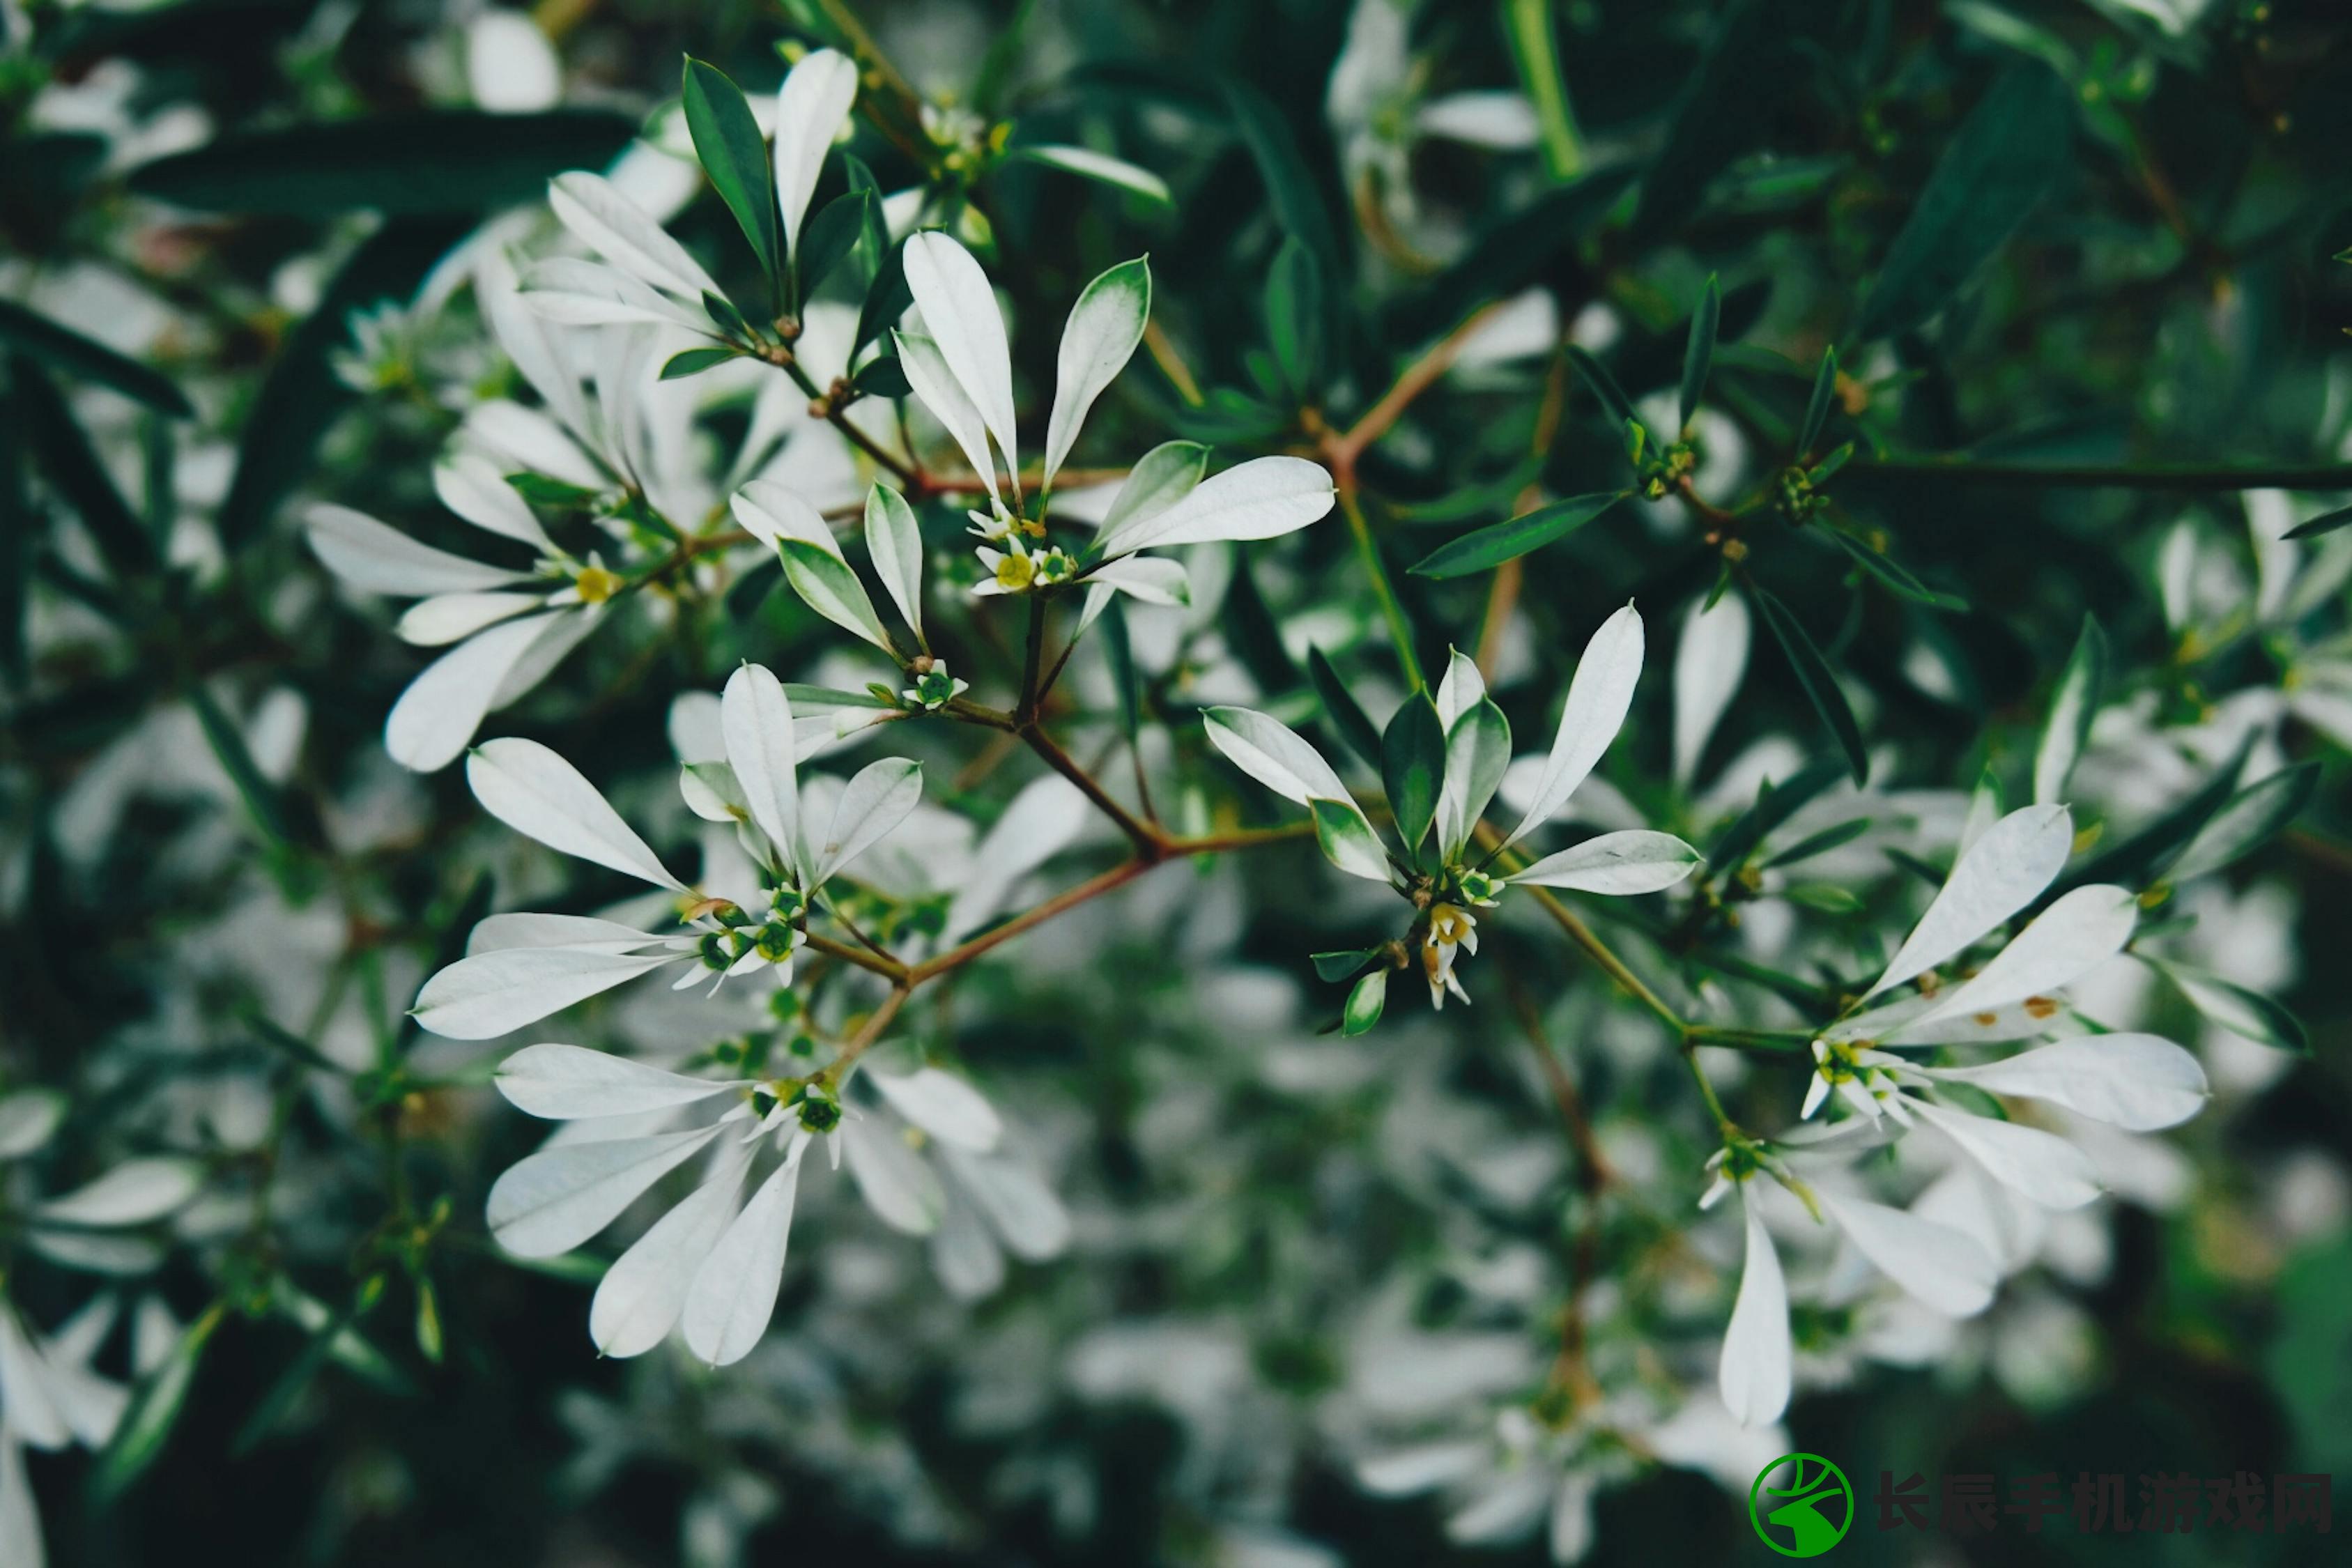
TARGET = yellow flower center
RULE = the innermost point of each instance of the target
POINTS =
(1016, 571)
(596, 584)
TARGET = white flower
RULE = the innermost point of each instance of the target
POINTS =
(520, 968)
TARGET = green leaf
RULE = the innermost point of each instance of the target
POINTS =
(829, 236)
(1294, 316)
(1896, 580)
(1820, 686)
(1820, 843)
(882, 377)
(2008, 152)
(2252, 817)
(1290, 184)
(1348, 840)
(827, 585)
(1474, 499)
(2326, 522)
(1485, 548)
(1413, 767)
(302, 397)
(726, 140)
(438, 161)
(1823, 896)
(2140, 861)
(1519, 250)
(87, 359)
(154, 1409)
(2247, 1014)
(1101, 168)
(1603, 384)
(1817, 406)
(280, 1038)
(1337, 966)
(298, 1373)
(1698, 349)
(1365, 1001)
(61, 450)
(1775, 803)
(694, 362)
(260, 796)
(885, 299)
(2073, 706)
(1119, 648)
(1348, 718)
(1528, 29)
(20, 530)
(1256, 638)
(1720, 113)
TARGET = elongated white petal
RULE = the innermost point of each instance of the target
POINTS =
(757, 718)
(772, 513)
(367, 554)
(964, 1255)
(1425, 1466)
(1710, 661)
(1020, 1207)
(2004, 871)
(640, 1296)
(622, 232)
(2018, 1021)
(534, 790)
(960, 314)
(1598, 698)
(567, 1082)
(734, 1292)
(471, 486)
(576, 293)
(445, 618)
(2083, 930)
(894, 539)
(2139, 1082)
(943, 1105)
(897, 1183)
(1754, 1373)
(1274, 755)
(1477, 755)
(1153, 579)
(1461, 689)
(1633, 861)
(1110, 171)
(1261, 499)
(558, 1198)
(133, 1193)
(28, 1120)
(447, 702)
(2038, 1165)
(529, 929)
(937, 389)
(494, 994)
(524, 335)
(1161, 477)
(877, 799)
(1099, 338)
(1038, 823)
(33, 1414)
(814, 100)
(1936, 1266)
(20, 1520)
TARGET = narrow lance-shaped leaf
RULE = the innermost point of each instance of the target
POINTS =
(824, 581)
(1295, 315)
(1603, 384)
(1413, 767)
(29, 332)
(154, 1409)
(1817, 406)
(1485, 548)
(1100, 336)
(1365, 1001)
(895, 540)
(726, 141)
(2072, 708)
(1698, 349)
(831, 234)
(1821, 687)
(960, 316)
(1348, 840)
(1347, 716)
(1102, 168)
(260, 796)
(815, 98)
(1528, 28)
(2251, 818)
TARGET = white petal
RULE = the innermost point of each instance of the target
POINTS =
(32, 1411)
(445, 618)
(894, 539)
(621, 231)
(2004, 871)
(1096, 165)
(2140, 1082)
(577, 293)
(1099, 338)
(1504, 1507)
(564, 1082)
(1022, 1209)
(1477, 755)
(1152, 579)
(524, 335)
(367, 554)
(943, 1105)
(1405, 1472)
(771, 512)
(640, 1296)
(528, 439)
(2074, 936)
(29, 1118)
(558, 1198)
(494, 994)
(734, 1292)
(1571, 1532)
(1161, 477)
(1037, 824)
(539, 794)
(1271, 752)
(471, 486)
(758, 720)
(1634, 861)
(1938, 1266)
(874, 801)
(936, 387)
(1710, 661)
(529, 929)
(1598, 699)
(20, 1520)
(814, 100)
(1497, 119)
(2038, 1165)
(447, 702)
(964, 1255)
(960, 316)
(1261, 499)
(1462, 688)
(133, 1193)
(1755, 1371)
(897, 1183)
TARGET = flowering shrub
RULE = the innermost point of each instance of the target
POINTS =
(1889, 460)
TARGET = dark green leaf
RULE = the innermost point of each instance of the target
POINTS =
(278, 1038)
(725, 317)
(726, 140)
(1365, 1001)
(1121, 650)
(1698, 349)
(1337, 966)
(260, 796)
(1528, 28)
(154, 1409)
(886, 300)
(87, 359)
(1490, 547)
(1817, 406)
(302, 395)
(1517, 251)
(20, 531)
(1603, 384)
(694, 362)
(298, 1373)
(1820, 686)
(1775, 803)
(2326, 522)
(2012, 145)
(882, 377)
(1290, 184)
(1820, 843)
(2250, 819)
(836, 230)
(1348, 718)
(1295, 316)
(2139, 860)
(62, 452)
(438, 161)
(1413, 767)
(1897, 581)
(1256, 638)
(2073, 706)
(1475, 499)
(1720, 113)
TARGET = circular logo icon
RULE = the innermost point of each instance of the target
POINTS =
(1807, 1512)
